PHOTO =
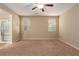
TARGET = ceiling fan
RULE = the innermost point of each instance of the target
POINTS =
(41, 6)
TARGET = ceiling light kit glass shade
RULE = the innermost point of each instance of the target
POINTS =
(40, 6)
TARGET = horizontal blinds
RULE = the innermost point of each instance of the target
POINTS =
(51, 24)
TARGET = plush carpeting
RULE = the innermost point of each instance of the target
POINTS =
(38, 48)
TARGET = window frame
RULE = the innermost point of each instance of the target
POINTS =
(52, 24)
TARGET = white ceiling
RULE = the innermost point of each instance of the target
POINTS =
(25, 9)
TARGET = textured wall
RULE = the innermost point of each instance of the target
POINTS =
(15, 22)
(16, 28)
(69, 26)
(39, 28)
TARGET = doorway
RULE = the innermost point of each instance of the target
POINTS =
(5, 30)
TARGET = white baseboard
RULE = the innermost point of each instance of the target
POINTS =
(5, 41)
(69, 44)
(40, 39)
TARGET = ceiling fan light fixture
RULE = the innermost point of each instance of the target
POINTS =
(40, 6)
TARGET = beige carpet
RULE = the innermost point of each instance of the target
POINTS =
(38, 48)
(2, 44)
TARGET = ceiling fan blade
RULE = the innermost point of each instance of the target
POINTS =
(42, 10)
(49, 5)
(34, 8)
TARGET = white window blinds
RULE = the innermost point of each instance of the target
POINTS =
(26, 22)
(52, 24)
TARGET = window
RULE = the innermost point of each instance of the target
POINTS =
(51, 24)
(26, 23)
(5, 29)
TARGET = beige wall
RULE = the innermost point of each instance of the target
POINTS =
(15, 22)
(39, 28)
(16, 28)
(69, 26)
